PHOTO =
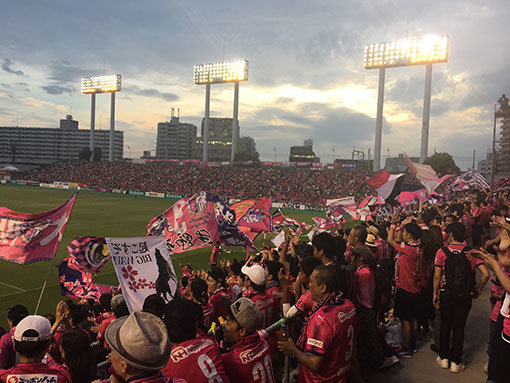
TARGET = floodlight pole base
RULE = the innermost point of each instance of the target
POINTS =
(92, 124)
(378, 123)
(235, 125)
(112, 127)
(205, 138)
(426, 114)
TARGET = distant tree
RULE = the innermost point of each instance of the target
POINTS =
(247, 150)
(246, 156)
(84, 154)
(442, 163)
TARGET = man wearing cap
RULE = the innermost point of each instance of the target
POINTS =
(255, 283)
(194, 358)
(139, 349)
(248, 359)
(7, 353)
(31, 340)
(324, 349)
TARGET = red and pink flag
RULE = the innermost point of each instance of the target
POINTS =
(258, 217)
(27, 238)
(426, 175)
(188, 224)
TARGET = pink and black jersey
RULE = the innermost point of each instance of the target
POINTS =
(329, 331)
(217, 301)
(196, 360)
(305, 303)
(7, 352)
(208, 314)
(441, 259)
(249, 361)
(364, 287)
(35, 372)
(265, 303)
(406, 267)
(274, 289)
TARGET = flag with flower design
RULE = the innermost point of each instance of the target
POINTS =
(143, 267)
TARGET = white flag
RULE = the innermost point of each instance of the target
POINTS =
(143, 267)
(279, 239)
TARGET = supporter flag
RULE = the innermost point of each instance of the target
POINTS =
(280, 222)
(469, 180)
(197, 221)
(387, 185)
(426, 175)
(76, 281)
(258, 217)
(27, 238)
(410, 196)
(90, 252)
(242, 207)
(143, 267)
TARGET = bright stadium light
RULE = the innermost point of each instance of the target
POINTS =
(428, 49)
(217, 73)
(101, 84)
(419, 51)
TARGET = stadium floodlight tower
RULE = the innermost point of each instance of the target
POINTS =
(418, 51)
(217, 73)
(101, 84)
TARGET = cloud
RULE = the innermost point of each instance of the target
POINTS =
(149, 92)
(57, 89)
(6, 67)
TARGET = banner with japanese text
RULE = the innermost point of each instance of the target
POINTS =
(27, 238)
(143, 267)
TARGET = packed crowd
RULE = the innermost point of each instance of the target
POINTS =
(290, 185)
(336, 309)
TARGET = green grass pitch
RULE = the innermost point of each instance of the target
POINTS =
(94, 214)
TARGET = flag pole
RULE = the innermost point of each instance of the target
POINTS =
(75, 195)
(44, 286)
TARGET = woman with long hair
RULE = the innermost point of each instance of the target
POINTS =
(78, 356)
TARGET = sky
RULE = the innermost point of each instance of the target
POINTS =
(306, 75)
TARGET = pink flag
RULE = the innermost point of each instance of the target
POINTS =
(258, 217)
(27, 238)
(426, 175)
(188, 224)
(242, 207)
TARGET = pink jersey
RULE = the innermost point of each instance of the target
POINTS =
(35, 372)
(7, 352)
(406, 267)
(329, 331)
(441, 259)
(274, 289)
(217, 301)
(383, 250)
(305, 303)
(498, 289)
(208, 317)
(364, 287)
(264, 302)
(196, 360)
(249, 361)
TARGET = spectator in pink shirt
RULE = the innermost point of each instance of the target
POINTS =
(7, 353)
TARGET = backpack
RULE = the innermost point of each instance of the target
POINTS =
(459, 277)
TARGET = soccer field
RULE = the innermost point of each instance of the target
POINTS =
(94, 214)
